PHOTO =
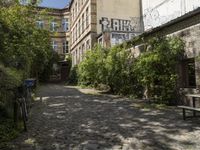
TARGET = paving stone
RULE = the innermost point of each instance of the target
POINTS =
(72, 120)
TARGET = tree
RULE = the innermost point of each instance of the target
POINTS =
(25, 51)
(156, 68)
(23, 46)
(91, 71)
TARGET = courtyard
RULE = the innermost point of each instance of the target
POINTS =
(72, 118)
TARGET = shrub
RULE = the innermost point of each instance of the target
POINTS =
(91, 71)
(156, 68)
(73, 76)
(109, 67)
(9, 80)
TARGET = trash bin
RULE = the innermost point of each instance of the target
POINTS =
(30, 83)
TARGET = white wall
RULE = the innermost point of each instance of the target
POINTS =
(166, 10)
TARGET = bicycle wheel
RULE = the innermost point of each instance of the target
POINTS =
(23, 112)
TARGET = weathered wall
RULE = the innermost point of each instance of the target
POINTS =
(120, 11)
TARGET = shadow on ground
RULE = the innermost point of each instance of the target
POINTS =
(65, 118)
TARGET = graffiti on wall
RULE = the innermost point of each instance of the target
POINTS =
(122, 25)
(118, 38)
(120, 29)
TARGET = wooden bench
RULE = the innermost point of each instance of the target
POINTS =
(194, 109)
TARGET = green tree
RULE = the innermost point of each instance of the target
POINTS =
(92, 71)
(25, 50)
(156, 68)
(24, 46)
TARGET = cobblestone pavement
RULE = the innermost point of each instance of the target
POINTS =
(70, 118)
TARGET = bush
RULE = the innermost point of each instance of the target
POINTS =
(25, 51)
(156, 68)
(91, 71)
(23, 46)
(7, 132)
(9, 80)
(109, 67)
(73, 76)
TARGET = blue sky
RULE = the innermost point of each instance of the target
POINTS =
(55, 3)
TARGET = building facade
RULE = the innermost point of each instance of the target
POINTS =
(78, 27)
(57, 21)
(106, 22)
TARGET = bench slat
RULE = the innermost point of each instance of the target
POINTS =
(189, 108)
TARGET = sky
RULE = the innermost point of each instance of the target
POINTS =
(55, 3)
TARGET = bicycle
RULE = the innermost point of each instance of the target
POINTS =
(23, 109)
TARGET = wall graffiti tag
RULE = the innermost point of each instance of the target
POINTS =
(120, 24)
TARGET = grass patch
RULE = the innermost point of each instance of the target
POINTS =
(154, 106)
(147, 106)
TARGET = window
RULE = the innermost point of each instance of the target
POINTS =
(73, 35)
(73, 14)
(79, 27)
(87, 17)
(80, 54)
(100, 41)
(73, 58)
(76, 32)
(88, 44)
(76, 56)
(83, 22)
(55, 45)
(65, 47)
(65, 24)
(40, 24)
(53, 26)
(83, 49)
(188, 73)
(78, 5)
(76, 8)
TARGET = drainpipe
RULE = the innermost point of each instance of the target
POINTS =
(141, 16)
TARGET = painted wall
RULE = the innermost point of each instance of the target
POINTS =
(118, 15)
(157, 12)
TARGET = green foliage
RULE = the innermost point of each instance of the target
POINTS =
(44, 75)
(24, 46)
(73, 76)
(92, 69)
(112, 67)
(25, 50)
(7, 132)
(120, 75)
(156, 68)
(9, 77)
